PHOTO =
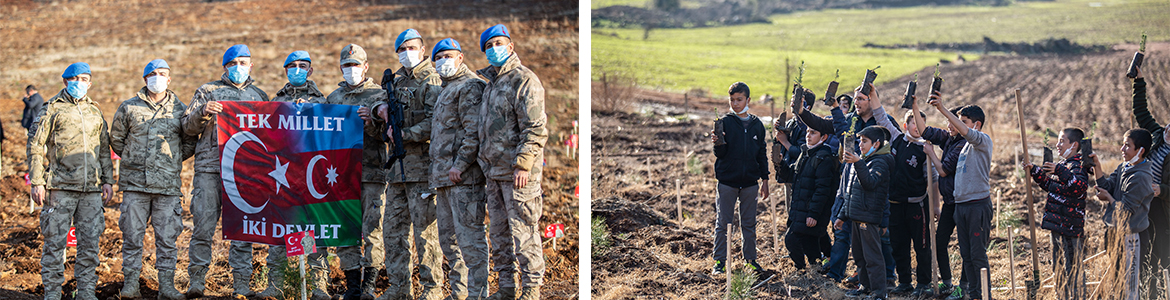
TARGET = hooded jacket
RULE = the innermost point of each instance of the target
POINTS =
(814, 176)
(1064, 211)
(74, 140)
(149, 138)
(454, 130)
(513, 131)
(743, 160)
(198, 125)
(1131, 191)
(1160, 206)
(868, 191)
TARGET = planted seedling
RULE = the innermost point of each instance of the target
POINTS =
(1137, 58)
(831, 93)
(718, 131)
(936, 83)
(870, 76)
(911, 88)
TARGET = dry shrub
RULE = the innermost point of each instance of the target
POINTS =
(616, 94)
(1114, 280)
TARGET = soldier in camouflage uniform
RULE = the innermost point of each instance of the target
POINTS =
(298, 66)
(73, 140)
(199, 121)
(360, 262)
(512, 137)
(455, 174)
(410, 200)
(147, 134)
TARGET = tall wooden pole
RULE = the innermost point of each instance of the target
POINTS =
(930, 220)
(1034, 284)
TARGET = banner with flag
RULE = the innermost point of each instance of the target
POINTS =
(290, 168)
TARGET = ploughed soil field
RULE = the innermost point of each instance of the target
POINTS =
(118, 38)
(643, 149)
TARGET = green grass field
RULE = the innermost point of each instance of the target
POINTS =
(713, 58)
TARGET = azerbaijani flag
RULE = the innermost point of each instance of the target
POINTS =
(289, 168)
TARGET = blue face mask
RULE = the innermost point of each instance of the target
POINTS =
(238, 74)
(498, 55)
(297, 76)
(871, 149)
(76, 88)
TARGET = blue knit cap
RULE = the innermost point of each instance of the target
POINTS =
(75, 69)
(494, 31)
(407, 35)
(154, 65)
(297, 55)
(444, 45)
(235, 51)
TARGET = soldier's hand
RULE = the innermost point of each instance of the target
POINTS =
(519, 178)
(107, 193)
(389, 133)
(301, 101)
(38, 194)
(838, 224)
(364, 112)
(454, 174)
(810, 222)
(212, 107)
(382, 111)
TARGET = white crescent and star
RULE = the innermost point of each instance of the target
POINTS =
(278, 174)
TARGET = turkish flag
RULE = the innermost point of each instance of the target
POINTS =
(290, 168)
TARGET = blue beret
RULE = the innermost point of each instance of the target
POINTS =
(153, 65)
(297, 55)
(444, 45)
(407, 35)
(494, 31)
(75, 69)
(235, 51)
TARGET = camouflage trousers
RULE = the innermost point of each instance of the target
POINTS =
(165, 213)
(406, 207)
(205, 212)
(62, 210)
(515, 231)
(460, 213)
(370, 253)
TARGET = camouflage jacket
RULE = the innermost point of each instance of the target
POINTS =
(150, 140)
(195, 124)
(454, 136)
(512, 133)
(73, 139)
(417, 90)
(367, 94)
(309, 92)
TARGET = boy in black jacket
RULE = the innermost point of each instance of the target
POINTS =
(865, 206)
(814, 176)
(741, 162)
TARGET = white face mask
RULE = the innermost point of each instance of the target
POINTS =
(353, 75)
(1066, 152)
(1135, 158)
(409, 58)
(745, 109)
(156, 84)
(446, 67)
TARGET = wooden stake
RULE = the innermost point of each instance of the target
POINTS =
(304, 292)
(1166, 282)
(775, 225)
(1011, 260)
(1031, 202)
(930, 199)
(986, 282)
(678, 201)
(727, 262)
